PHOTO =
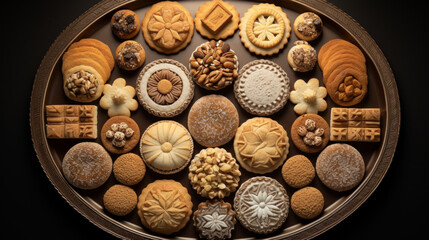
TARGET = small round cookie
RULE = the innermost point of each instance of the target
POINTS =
(261, 145)
(87, 165)
(130, 55)
(165, 88)
(308, 26)
(125, 24)
(310, 133)
(120, 200)
(129, 169)
(302, 57)
(92, 83)
(164, 206)
(118, 98)
(120, 134)
(213, 120)
(340, 167)
(307, 203)
(214, 220)
(166, 147)
(262, 87)
(261, 204)
(298, 171)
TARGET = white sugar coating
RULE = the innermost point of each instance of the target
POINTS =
(263, 86)
(87, 165)
(340, 167)
(213, 120)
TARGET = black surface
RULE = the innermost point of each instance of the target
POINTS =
(32, 208)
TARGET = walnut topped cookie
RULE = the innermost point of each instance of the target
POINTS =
(168, 27)
(308, 26)
(125, 24)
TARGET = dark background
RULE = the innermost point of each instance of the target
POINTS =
(32, 208)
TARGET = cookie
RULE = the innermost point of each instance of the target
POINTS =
(264, 29)
(166, 147)
(337, 46)
(120, 134)
(310, 133)
(125, 24)
(216, 19)
(340, 167)
(302, 57)
(165, 88)
(82, 84)
(308, 26)
(261, 204)
(298, 171)
(214, 65)
(129, 169)
(130, 55)
(214, 220)
(308, 97)
(101, 46)
(261, 145)
(213, 120)
(168, 27)
(164, 206)
(262, 87)
(92, 58)
(118, 99)
(214, 173)
(120, 200)
(87, 165)
(307, 203)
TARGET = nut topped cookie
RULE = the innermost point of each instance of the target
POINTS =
(302, 57)
(130, 55)
(120, 134)
(310, 133)
(308, 26)
(125, 24)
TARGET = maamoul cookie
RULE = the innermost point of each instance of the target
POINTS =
(118, 99)
(214, 173)
(164, 206)
(308, 26)
(310, 133)
(120, 200)
(120, 134)
(129, 169)
(125, 24)
(166, 147)
(95, 43)
(262, 87)
(130, 55)
(307, 203)
(264, 29)
(216, 19)
(302, 57)
(261, 204)
(214, 65)
(298, 171)
(87, 165)
(213, 120)
(165, 88)
(82, 83)
(214, 220)
(261, 145)
(340, 167)
(308, 97)
(168, 27)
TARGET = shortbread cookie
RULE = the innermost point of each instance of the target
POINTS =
(164, 206)
(129, 169)
(118, 98)
(337, 46)
(166, 147)
(216, 19)
(298, 171)
(261, 145)
(130, 55)
(125, 24)
(214, 220)
(213, 120)
(214, 65)
(120, 134)
(308, 97)
(262, 87)
(308, 26)
(261, 204)
(264, 29)
(168, 27)
(340, 167)
(120, 200)
(82, 83)
(302, 57)
(96, 53)
(307, 203)
(104, 49)
(87, 165)
(310, 133)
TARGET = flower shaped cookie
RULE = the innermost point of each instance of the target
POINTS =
(118, 98)
(308, 97)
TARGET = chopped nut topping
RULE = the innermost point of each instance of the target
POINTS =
(123, 24)
(119, 133)
(82, 83)
(311, 26)
(311, 135)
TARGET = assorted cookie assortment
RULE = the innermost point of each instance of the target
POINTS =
(165, 89)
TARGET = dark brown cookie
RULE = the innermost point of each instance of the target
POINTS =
(125, 24)
(310, 133)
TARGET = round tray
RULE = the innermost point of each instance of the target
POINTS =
(383, 94)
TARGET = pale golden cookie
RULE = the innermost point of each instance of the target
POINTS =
(82, 83)
(118, 99)
(78, 59)
(104, 49)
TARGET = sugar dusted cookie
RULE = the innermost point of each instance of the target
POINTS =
(118, 99)
(125, 24)
(308, 26)
(308, 97)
